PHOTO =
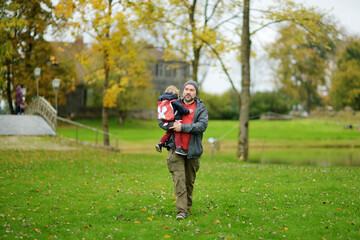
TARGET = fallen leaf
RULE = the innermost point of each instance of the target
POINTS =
(165, 227)
(143, 210)
(216, 221)
(167, 236)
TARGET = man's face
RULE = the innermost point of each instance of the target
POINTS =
(189, 93)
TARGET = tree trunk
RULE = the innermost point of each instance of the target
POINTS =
(122, 116)
(105, 110)
(8, 88)
(196, 48)
(243, 139)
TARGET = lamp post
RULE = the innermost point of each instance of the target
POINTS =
(37, 73)
(56, 85)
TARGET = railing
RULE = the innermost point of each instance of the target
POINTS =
(97, 131)
(43, 108)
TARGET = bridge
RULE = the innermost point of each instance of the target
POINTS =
(39, 119)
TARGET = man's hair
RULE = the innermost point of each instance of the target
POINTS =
(172, 89)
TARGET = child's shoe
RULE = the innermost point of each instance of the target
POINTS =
(180, 151)
(159, 146)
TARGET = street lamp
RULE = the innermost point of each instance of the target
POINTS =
(37, 73)
(23, 91)
(56, 85)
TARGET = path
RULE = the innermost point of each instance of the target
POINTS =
(24, 125)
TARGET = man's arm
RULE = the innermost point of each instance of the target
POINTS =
(195, 128)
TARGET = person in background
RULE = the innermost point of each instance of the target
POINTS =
(19, 100)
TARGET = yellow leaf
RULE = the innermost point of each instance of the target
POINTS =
(216, 221)
(167, 236)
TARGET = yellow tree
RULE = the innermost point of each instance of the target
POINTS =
(22, 26)
(107, 22)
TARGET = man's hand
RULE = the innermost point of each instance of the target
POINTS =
(177, 126)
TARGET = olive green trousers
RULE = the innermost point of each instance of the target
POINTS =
(183, 172)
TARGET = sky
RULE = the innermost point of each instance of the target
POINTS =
(346, 13)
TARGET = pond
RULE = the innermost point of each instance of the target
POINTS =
(308, 156)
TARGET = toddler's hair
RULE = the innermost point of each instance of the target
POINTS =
(172, 89)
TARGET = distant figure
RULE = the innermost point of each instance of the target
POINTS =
(19, 100)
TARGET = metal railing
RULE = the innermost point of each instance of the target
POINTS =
(97, 131)
(43, 108)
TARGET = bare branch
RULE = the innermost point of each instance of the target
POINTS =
(266, 25)
(213, 11)
(227, 20)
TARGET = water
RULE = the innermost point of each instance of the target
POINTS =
(308, 156)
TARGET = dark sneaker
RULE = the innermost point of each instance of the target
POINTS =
(180, 151)
(181, 216)
(158, 147)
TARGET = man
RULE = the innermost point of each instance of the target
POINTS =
(184, 168)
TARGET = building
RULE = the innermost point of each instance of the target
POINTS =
(170, 72)
(79, 103)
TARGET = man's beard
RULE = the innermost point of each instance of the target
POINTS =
(188, 98)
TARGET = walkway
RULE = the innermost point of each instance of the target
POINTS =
(24, 125)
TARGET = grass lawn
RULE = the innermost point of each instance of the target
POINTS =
(300, 133)
(87, 193)
(53, 188)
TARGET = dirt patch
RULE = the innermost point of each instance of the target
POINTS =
(37, 143)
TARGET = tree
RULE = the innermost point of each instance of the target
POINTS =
(108, 23)
(192, 29)
(243, 137)
(224, 106)
(301, 62)
(276, 101)
(213, 38)
(22, 25)
(312, 21)
(345, 82)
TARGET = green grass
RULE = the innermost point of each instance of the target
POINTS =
(95, 194)
(294, 133)
(53, 188)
